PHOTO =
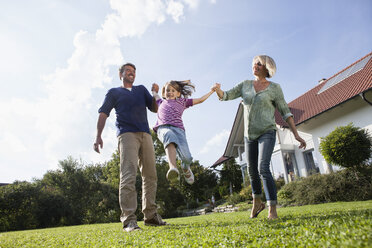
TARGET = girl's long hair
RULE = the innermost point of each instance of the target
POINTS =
(186, 88)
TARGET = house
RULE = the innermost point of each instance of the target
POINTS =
(337, 101)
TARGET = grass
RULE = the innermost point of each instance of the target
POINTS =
(342, 224)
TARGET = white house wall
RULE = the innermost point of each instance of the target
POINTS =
(286, 142)
(355, 110)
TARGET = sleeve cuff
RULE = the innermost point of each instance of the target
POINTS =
(223, 98)
(285, 117)
(156, 95)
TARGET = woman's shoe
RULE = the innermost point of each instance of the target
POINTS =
(173, 174)
(189, 176)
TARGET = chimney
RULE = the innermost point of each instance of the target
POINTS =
(322, 80)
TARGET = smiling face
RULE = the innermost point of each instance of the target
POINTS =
(259, 70)
(171, 93)
(261, 63)
(129, 74)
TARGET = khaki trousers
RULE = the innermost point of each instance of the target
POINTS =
(137, 151)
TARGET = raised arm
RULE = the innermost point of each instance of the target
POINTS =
(100, 125)
(155, 97)
(203, 98)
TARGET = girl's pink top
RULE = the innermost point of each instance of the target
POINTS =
(170, 112)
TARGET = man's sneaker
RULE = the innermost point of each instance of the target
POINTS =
(131, 226)
(189, 176)
(155, 221)
(173, 174)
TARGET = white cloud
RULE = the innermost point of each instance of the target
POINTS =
(216, 142)
(11, 144)
(192, 3)
(64, 121)
(88, 68)
(175, 9)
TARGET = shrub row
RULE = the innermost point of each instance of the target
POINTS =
(344, 185)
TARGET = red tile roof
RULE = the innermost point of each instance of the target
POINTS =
(313, 103)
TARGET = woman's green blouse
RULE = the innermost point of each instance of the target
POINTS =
(259, 108)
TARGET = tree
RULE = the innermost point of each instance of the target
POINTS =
(90, 198)
(204, 186)
(347, 146)
(25, 205)
(171, 195)
(18, 203)
(111, 170)
(230, 178)
(159, 148)
(70, 182)
(102, 204)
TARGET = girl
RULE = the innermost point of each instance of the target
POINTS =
(169, 125)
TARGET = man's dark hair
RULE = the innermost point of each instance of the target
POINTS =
(121, 69)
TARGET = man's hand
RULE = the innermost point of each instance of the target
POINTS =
(98, 144)
(155, 87)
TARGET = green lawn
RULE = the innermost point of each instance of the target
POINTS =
(342, 224)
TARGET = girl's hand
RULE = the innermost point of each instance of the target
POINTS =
(216, 86)
(217, 89)
(155, 87)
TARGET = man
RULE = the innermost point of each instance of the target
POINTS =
(135, 146)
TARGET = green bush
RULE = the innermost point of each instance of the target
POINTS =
(346, 146)
(344, 185)
(235, 198)
(280, 182)
(246, 193)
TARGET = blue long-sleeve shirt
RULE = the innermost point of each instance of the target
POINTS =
(130, 107)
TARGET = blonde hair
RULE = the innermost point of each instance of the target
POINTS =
(186, 88)
(268, 62)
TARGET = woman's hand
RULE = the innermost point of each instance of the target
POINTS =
(302, 142)
(292, 126)
(217, 88)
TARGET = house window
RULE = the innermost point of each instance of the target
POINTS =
(311, 166)
(290, 165)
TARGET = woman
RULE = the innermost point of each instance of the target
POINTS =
(260, 99)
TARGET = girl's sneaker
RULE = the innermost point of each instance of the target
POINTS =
(189, 176)
(173, 174)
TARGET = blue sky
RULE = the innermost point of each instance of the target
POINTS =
(59, 58)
